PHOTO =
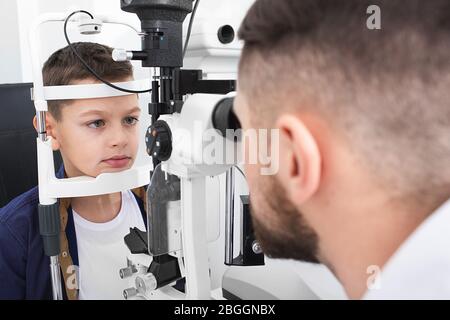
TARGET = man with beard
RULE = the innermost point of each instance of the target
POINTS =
(364, 139)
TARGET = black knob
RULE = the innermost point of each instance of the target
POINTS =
(225, 34)
(158, 140)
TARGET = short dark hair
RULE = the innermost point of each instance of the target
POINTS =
(63, 68)
(387, 91)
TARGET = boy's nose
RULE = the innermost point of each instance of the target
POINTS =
(118, 137)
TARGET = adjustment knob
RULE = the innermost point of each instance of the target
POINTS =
(158, 140)
(146, 283)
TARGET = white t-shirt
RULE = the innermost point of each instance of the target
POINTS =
(102, 251)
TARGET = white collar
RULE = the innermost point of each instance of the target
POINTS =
(420, 268)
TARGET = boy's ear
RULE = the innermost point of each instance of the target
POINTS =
(35, 124)
(51, 130)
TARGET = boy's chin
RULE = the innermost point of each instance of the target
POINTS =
(101, 168)
(112, 169)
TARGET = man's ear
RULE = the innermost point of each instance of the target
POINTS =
(51, 129)
(300, 159)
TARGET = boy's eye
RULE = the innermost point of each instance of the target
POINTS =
(130, 121)
(96, 124)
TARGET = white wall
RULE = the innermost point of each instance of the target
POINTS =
(10, 44)
(51, 34)
(16, 17)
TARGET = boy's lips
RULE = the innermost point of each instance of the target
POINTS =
(118, 161)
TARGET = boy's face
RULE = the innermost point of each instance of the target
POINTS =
(97, 135)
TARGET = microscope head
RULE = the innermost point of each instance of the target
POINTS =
(161, 24)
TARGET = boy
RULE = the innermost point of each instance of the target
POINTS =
(94, 136)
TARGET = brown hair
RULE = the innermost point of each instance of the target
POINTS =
(63, 68)
(387, 91)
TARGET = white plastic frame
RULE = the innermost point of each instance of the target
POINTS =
(51, 188)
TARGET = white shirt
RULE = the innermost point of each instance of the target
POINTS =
(420, 268)
(102, 251)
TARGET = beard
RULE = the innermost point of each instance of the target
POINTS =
(286, 235)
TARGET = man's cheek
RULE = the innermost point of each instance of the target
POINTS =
(258, 208)
(254, 207)
(252, 173)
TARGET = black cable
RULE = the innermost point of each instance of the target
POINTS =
(191, 21)
(239, 169)
(92, 71)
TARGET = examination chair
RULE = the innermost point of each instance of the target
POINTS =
(18, 161)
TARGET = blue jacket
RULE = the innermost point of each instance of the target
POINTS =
(24, 268)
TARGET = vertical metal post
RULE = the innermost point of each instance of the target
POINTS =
(41, 127)
(56, 278)
(229, 215)
(49, 224)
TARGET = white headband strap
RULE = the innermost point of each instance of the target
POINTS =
(96, 90)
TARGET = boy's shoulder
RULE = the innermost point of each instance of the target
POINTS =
(23, 207)
(20, 205)
(23, 264)
(21, 212)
